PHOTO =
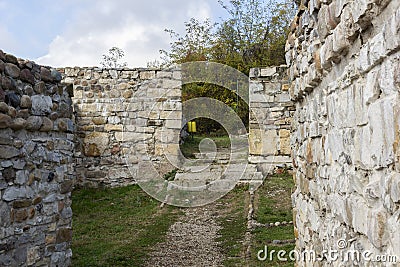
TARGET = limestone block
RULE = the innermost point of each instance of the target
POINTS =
(361, 214)
(164, 74)
(173, 93)
(268, 72)
(167, 136)
(95, 144)
(113, 127)
(377, 48)
(173, 124)
(340, 41)
(395, 188)
(155, 92)
(380, 115)
(255, 87)
(147, 75)
(322, 26)
(171, 84)
(135, 137)
(171, 115)
(172, 105)
(377, 230)
(263, 142)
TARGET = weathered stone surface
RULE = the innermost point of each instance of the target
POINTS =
(41, 105)
(12, 70)
(40, 87)
(20, 215)
(9, 174)
(26, 102)
(7, 152)
(66, 187)
(270, 118)
(56, 75)
(345, 138)
(63, 235)
(65, 125)
(95, 144)
(45, 75)
(34, 123)
(99, 120)
(47, 125)
(114, 111)
(14, 193)
(18, 124)
(32, 168)
(11, 59)
(18, 204)
(3, 107)
(27, 76)
(5, 121)
(13, 99)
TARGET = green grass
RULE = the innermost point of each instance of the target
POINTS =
(273, 199)
(191, 145)
(117, 227)
(121, 226)
(273, 204)
(233, 219)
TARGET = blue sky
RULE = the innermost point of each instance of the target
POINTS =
(77, 32)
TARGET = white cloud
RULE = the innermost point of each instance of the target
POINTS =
(7, 40)
(135, 26)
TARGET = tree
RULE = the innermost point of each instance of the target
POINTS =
(253, 35)
(195, 45)
(112, 59)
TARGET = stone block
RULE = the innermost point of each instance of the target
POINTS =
(95, 144)
(263, 142)
(63, 235)
(268, 72)
(173, 124)
(41, 105)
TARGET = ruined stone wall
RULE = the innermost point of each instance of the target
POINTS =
(271, 112)
(36, 165)
(124, 117)
(345, 72)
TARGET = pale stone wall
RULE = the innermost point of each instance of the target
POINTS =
(36, 165)
(344, 64)
(124, 117)
(271, 112)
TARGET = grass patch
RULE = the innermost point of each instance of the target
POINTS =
(191, 144)
(273, 199)
(117, 227)
(233, 219)
(273, 204)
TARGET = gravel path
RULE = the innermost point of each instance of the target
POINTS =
(190, 241)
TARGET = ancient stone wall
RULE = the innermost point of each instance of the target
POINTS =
(124, 117)
(36, 167)
(271, 112)
(344, 64)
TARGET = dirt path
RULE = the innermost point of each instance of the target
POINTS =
(190, 242)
